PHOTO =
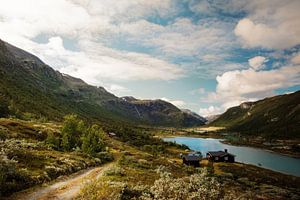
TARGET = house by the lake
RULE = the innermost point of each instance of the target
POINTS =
(220, 156)
(192, 158)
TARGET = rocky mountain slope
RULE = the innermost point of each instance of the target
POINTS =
(31, 88)
(277, 116)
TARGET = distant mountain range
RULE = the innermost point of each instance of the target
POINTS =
(274, 116)
(33, 88)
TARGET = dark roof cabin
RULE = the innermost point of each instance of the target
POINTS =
(220, 156)
(192, 158)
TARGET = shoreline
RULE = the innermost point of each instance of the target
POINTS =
(214, 135)
(292, 155)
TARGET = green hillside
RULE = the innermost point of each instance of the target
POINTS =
(30, 88)
(277, 116)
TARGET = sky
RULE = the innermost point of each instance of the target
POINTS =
(204, 55)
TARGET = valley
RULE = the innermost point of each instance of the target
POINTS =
(139, 169)
(62, 138)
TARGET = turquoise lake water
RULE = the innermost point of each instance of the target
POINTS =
(249, 155)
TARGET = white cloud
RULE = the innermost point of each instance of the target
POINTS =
(262, 35)
(211, 110)
(198, 91)
(86, 22)
(235, 87)
(117, 89)
(95, 63)
(267, 24)
(184, 37)
(257, 62)
(211, 57)
(104, 22)
(177, 103)
(31, 18)
(270, 24)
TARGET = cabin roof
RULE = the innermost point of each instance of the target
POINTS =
(192, 156)
(219, 153)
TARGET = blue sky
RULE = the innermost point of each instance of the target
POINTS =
(203, 55)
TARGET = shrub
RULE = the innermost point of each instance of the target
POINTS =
(154, 149)
(52, 140)
(92, 140)
(104, 156)
(197, 186)
(115, 171)
(71, 132)
(11, 179)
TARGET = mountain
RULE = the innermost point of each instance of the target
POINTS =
(274, 116)
(211, 118)
(32, 88)
(192, 115)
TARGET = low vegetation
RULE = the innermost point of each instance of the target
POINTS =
(139, 174)
(32, 152)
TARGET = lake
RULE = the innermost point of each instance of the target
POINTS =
(249, 155)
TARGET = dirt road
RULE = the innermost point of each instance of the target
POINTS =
(65, 189)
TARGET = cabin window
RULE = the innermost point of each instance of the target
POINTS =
(226, 158)
(216, 158)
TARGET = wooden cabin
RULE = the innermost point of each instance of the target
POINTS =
(220, 156)
(192, 159)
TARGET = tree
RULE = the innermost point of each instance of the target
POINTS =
(92, 140)
(71, 131)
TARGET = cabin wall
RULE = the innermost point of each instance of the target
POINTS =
(221, 159)
(191, 163)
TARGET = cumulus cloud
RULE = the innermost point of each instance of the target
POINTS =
(86, 22)
(177, 103)
(235, 87)
(270, 24)
(105, 22)
(257, 62)
(262, 35)
(211, 110)
(95, 63)
(183, 37)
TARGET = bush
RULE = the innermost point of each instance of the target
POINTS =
(92, 140)
(52, 140)
(104, 156)
(174, 144)
(71, 132)
(115, 171)
(11, 179)
(197, 186)
(154, 149)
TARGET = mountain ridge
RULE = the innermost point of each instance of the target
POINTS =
(31, 86)
(277, 116)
